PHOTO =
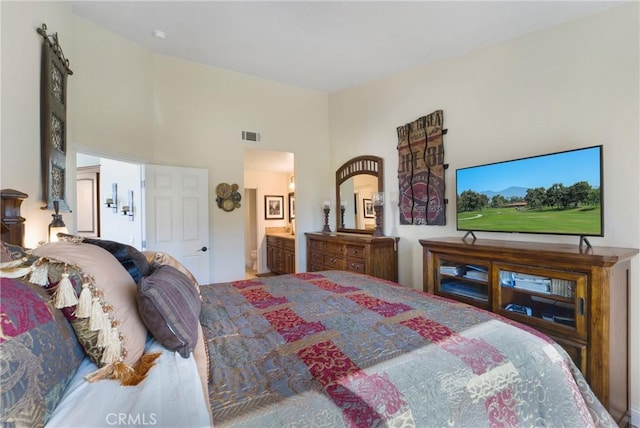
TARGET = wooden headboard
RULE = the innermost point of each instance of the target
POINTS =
(12, 222)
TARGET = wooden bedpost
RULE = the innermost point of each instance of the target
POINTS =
(12, 222)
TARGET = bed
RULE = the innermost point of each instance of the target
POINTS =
(326, 348)
(342, 349)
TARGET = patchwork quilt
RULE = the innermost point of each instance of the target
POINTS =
(342, 349)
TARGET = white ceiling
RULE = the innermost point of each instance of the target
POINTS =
(325, 46)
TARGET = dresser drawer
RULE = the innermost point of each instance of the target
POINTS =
(316, 258)
(316, 245)
(355, 265)
(327, 247)
(333, 262)
(316, 267)
(355, 251)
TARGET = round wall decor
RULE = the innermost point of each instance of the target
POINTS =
(227, 197)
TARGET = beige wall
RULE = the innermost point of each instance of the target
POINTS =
(199, 113)
(20, 92)
(571, 86)
(111, 96)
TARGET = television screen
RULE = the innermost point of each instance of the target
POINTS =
(556, 193)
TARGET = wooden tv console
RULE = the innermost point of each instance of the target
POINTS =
(577, 297)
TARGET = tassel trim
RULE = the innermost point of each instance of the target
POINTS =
(127, 375)
(116, 371)
(65, 295)
(103, 337)
(112, 347)
(83, 310)
(97, 320)
(40, 273)
(141, 369)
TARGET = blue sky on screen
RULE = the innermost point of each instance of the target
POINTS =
(542, 171)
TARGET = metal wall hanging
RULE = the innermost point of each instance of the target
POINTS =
(421, 171)
(54, 70)
(227, 196)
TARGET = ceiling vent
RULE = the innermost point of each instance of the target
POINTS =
(252, 137)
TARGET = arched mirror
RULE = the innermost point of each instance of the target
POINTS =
(356, 181)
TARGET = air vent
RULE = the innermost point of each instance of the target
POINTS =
(253, 137)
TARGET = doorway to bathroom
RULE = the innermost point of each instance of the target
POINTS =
(250, 233)
(268, 175)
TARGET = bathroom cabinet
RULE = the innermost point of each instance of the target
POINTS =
(281, 253)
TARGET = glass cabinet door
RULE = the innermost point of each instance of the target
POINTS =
(554, 300)
(463, 281)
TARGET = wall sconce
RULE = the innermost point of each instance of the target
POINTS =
(378, 206)
(128, 209)
(57, 225)
(112, 202)
(292, 184)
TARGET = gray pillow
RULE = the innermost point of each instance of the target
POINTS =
(169, 305)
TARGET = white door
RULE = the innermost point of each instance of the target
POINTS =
(88, 201)
(177, 215)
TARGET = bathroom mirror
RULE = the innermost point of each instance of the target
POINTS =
(356, 180)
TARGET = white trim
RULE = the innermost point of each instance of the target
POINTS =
(635, 417)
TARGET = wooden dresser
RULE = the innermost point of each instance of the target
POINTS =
(281, 253)
(353, 252)
(580, 298)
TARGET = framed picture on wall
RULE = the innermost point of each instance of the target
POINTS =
(367, 207)
(273, 207)
(292, 206)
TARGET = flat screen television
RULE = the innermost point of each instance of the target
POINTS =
(557, 193)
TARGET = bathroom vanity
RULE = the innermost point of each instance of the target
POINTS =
(281, 253)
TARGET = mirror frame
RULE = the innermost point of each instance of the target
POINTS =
(371, 165)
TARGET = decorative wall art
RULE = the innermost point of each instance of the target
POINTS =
(273, 207)
(421, 171)
(54, 70)
(367, 207)
(227, 196)
(292, 206)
